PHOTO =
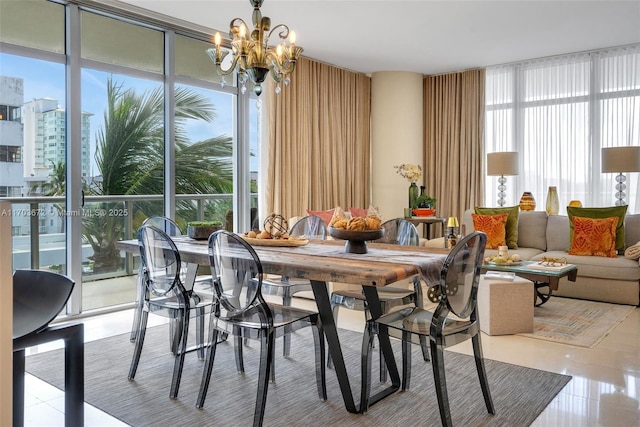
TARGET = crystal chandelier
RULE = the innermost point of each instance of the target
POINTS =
(252, 57)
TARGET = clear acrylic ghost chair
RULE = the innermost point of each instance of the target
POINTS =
(461, 271)
(313, 228)
(172, 229)
(400, 232)
(166, 295)
(240, 309)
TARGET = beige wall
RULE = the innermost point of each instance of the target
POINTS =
(6, 316)
(396, 134)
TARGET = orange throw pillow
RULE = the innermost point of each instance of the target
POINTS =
(494, 226)
(593, 236)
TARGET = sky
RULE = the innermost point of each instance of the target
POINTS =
(45, 79)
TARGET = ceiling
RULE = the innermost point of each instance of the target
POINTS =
(428, 37)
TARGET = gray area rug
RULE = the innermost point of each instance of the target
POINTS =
(519, 394)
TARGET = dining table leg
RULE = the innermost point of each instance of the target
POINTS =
(321, 295)
(375, 310)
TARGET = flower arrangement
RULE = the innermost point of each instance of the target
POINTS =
(411, 172)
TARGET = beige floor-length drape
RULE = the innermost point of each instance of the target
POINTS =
(317, 141)
(454, 140)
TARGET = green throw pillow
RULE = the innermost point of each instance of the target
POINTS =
(599, 213)
(512, 222)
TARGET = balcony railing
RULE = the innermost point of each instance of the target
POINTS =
(39, 222)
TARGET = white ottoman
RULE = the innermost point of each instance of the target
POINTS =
(505, 307)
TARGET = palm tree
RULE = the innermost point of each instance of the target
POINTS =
(56, 183)
(130, 157)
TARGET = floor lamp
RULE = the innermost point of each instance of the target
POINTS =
(619, 160)
(504, 163)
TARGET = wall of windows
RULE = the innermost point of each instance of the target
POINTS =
(133, 121)
(558, 113)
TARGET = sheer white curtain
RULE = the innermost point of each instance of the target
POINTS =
(558, 113)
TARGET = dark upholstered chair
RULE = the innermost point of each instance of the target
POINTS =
(38, 297)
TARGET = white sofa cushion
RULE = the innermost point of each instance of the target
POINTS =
(558, 233)
(532, 230)
(631, 229)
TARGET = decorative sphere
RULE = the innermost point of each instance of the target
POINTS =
(276, 225)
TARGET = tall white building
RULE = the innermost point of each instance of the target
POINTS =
(45, 138)
(11, 136)
(32, 141)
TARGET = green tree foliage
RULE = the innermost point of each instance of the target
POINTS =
(130, 158)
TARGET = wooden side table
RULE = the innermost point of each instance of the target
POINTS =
(427, 221)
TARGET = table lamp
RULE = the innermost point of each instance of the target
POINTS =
(502, 163)
(619, 160)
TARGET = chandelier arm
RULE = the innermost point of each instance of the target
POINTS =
(221, 71)
(284, 33)
(234, 27)
(276, 76)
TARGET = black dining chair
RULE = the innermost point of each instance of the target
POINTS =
(38, 297)
(461, 271)
(240, 309)
(313, 228)
(400, 232)
(202, 283)
(166, 295)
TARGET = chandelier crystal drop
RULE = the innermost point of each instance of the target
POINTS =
(253, 58)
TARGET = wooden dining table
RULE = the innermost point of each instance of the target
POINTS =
(326, 261)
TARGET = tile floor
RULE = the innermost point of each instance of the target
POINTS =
(604, 391)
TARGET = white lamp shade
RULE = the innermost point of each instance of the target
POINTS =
(503, 163)
(620, 159)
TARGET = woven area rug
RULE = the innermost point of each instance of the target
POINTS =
(576, 322)
(519, 394)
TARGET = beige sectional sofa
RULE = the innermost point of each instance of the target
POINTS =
(615, 280)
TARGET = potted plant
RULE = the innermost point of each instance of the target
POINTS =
(425, 201)
(201, 230)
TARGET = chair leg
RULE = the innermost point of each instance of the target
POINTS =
(365, 364)
(272, 371)
(200, 332)
(437, 363)
(139, 342)
(175, 327)
(18, 387)
(321, 374)
(406, 360)
(425, 348)
(208, 368)
(266, 356)
(286, 339)
(237, 332)
(179, 358)
(482, 373)
(137, 311)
